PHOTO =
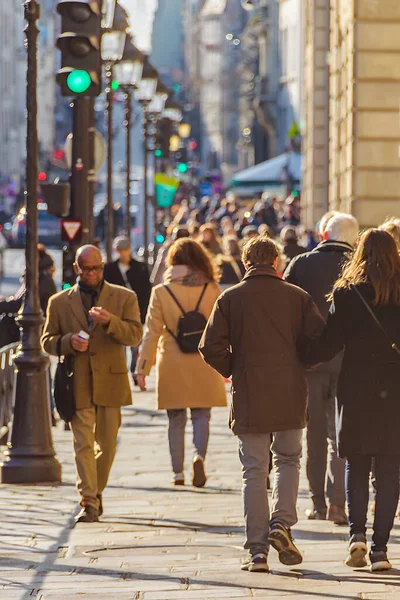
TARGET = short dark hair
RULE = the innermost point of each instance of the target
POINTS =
(260, 250)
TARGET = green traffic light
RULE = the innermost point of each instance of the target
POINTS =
(114, 86)
(160, 239)
(66, 286)
(182, 167)
(158, 153)
(79, 81)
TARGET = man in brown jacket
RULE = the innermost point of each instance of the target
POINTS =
(252, 336)
(110, 315)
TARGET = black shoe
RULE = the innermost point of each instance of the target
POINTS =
(88, 514)
(53, 419)
(281, 539)
(357, 551)
(100, 509)
(199, 474)
(314, 514)
(256, 563)
(379, 561)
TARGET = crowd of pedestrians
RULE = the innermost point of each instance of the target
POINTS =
(305, 328)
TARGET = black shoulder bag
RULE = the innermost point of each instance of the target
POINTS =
(375, 319)
(64, 386)
(191, 325)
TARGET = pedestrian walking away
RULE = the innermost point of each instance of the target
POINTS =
(251, 336)
(184, 381)
(133, 275)
(316, 272)
(364, 321)
(109, 317)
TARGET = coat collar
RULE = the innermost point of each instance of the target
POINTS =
(77, 306)
(333, 246)
(259, 270)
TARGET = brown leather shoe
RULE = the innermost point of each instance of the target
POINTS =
(199, 474)
(337, 515)
(88, 514)
(100, 509)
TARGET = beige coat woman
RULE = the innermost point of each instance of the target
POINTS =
(183, 380)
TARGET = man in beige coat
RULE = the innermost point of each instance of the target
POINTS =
(110, 315)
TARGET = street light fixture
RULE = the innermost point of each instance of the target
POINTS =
(173, 111)
(112, 49)
(128, 72)
(157, 104)
(30, 457)
(108, 11)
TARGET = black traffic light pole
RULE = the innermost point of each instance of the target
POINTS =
(30, 457)
(79, 208)
(146, 137)
(91, 170)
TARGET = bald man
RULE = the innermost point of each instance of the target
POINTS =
(110, 315)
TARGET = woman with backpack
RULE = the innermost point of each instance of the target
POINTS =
(176, 318)
(364, 321)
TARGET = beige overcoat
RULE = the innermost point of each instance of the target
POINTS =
(183, 380)
(100, 373)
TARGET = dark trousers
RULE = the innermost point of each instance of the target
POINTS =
(325, 470)
(358, 468)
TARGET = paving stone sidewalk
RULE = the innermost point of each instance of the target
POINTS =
(156, 542)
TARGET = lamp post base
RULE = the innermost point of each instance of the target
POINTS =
(30, 469)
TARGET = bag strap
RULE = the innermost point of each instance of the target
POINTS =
(236, 269)
(175, 299)
(201, 297)
(375, 319)
(58, 348)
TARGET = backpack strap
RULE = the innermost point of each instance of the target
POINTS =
(201, 297)
(175, 299)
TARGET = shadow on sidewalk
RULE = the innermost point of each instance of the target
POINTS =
(175, 524)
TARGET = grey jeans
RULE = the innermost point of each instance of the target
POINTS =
(254, 453)
(325, 470)
(176, 434)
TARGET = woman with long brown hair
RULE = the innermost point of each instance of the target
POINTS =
(177, 315)
(364, 321)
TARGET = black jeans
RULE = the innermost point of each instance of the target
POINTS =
(358, 469)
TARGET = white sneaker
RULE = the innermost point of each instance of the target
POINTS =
(178, 479)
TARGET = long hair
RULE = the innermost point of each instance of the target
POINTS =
(376, 260)
(193, 255)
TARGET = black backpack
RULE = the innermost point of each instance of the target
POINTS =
(191, 325)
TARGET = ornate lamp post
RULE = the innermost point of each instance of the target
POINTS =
(128, 72)
(30, 457)
(144, 95)
(112, 49)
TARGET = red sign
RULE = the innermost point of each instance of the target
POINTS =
(71, 231)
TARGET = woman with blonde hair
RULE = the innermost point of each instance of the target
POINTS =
(364, 321)
(392, 226)
(210, 239)
(176, 318)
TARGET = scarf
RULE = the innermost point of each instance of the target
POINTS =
(182, 275)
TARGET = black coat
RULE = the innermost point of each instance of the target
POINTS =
(368, 397)
(138, 278)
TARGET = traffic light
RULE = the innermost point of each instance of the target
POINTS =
(158, 153)
(164, 132)
(68, 275)
(182, 167)
(79, 42)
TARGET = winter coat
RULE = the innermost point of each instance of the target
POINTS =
(316, 272)
(368, 403)
(183, 380)
(252, 335)
(138, 278)
(100, 373)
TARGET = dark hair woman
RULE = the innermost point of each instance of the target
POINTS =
(184, 380)
(368, 392)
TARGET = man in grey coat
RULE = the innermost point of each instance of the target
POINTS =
(252, 336)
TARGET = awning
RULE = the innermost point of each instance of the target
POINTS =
(275, 172)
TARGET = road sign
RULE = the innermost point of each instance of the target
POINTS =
(99, 150)
(206, 189)
(71, 230)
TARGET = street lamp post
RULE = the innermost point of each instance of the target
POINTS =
(128, 73)
(144, 95)
(30, 457)
(112, 48)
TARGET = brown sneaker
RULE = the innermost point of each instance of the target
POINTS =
(199, 474)
(88, 514)
(337, 515)
(280, 538)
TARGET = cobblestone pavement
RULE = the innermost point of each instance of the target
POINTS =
(155, 542)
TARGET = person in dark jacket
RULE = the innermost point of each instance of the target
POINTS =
(47, 286)
(368, 390)
(131, 274)
(290, 241)
(316, 272)
(252, 336)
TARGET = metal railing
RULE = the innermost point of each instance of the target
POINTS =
(7, 379)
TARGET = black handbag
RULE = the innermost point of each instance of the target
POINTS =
(64, 386)
(9, 330)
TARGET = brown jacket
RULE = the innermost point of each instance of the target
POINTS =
(252, 336)
(183, 380)
(100, 374)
